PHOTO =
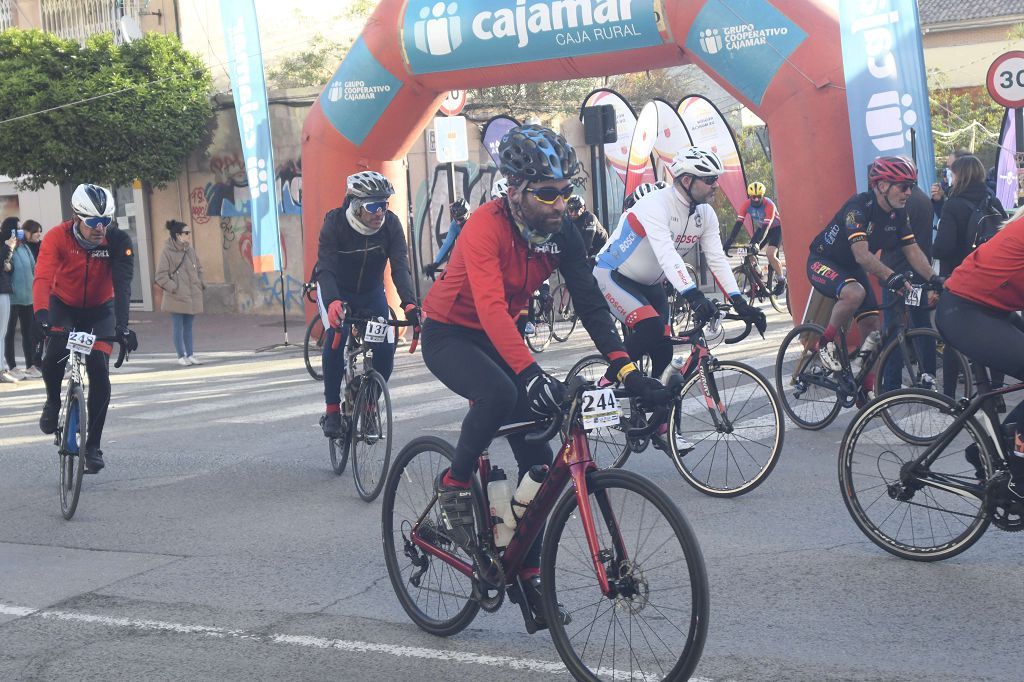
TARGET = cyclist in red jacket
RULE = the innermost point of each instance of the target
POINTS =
(83, 281)
(506, 250)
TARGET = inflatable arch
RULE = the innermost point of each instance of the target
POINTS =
(781, 58)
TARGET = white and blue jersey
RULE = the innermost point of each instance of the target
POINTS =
(651, 239)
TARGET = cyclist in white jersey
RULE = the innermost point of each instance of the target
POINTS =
(648, 246)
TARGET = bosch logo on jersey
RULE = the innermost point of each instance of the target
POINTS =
(687, 239)
(616, 305)
(628, 242)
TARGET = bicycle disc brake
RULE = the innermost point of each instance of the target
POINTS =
(1004, 508)
(488, 581)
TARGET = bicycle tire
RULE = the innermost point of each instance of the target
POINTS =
(565, 317)
(609, 447)
(539, 339)
(643, 584)
(71, 465)
(886, 525)
(692, 464)
(786, 377)
(964, 378)
(370, 469)
(315, 334)
(413, 474)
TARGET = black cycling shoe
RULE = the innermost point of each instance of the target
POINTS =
(332, 425)
(779, 288)
(457, 515)
(535, 598)
(973, 456)
(93, 460)
(48, 420)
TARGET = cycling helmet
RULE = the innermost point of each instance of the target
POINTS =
(891, 169)
(756, 190)
(640, 192)
(576, 204)
(92, 201)
(531, 152)
(695, 161)
(459, 210)
(369, 185)
(499, 189)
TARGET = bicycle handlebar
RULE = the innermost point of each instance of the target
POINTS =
(393, 323)
(724, 314)
(122, 351)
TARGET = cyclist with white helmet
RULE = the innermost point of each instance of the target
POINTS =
(764, 217)
(648, 247)
(83, 281)
(642, 190)
(459, 212)
(499, 190)
(357, 241)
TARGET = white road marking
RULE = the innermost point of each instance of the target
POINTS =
(508, 662)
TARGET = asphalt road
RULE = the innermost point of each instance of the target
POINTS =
(218, 544)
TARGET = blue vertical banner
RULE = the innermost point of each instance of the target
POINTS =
(886, 88)
(245, 62)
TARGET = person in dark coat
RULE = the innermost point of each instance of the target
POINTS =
(951, 241)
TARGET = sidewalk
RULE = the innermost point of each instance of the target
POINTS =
(224, 332)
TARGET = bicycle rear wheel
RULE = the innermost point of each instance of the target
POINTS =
(724, 464)
(72, 445)
(655, 626)
(928, 357)
(565, 318)
(540, 337)
(312, 349)
(436, 596)
(802, 382)
(902, 513)
(370, 439)
(608, 445)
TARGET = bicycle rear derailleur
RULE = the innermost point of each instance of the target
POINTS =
(1004, 508)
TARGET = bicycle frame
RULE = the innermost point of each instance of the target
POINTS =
(699, 362)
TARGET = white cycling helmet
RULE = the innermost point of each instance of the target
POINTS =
(369, 185)
(641, 191)
(695, 161)
(93, 201)
(499, 189)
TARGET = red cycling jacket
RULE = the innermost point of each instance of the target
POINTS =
(80, 278)
(493, 272)
(993, 275)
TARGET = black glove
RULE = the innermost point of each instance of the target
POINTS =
(648, 391)
(430, 270)
(42, 323)
(703, 309)
(128, 339)
(749, 313)
(412, 313)
(545, 393)
(896, 282)
(937, 281)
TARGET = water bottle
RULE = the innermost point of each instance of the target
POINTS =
(528, 488)
(674, 368)
(866, 349)
(499, 494)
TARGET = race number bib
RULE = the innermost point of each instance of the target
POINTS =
(81, 342)
(914, 297)
(600, 408)
(376, 332)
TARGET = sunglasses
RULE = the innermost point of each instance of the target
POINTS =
(549, 195)
(97, 222)
(710, 180)
(376, 206)
(904, 186)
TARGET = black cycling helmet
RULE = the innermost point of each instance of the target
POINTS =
(576, 204)
(532, 152)
(459, 210)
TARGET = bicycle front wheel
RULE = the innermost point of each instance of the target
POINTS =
(436, 597)
(72, 451)
(655, 624)
(901, 511)
(565, 318)
(608, 445)
(312, 349)
(370, 438)
(804, 385)
(727, 459)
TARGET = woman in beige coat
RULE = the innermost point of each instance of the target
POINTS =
(180, 275)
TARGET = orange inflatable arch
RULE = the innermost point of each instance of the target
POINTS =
(782, 59)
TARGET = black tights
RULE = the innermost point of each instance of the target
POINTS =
(648, 338)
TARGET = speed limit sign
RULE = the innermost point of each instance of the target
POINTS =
(1006, 79)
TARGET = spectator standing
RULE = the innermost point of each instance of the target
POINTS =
(180, 275)
(7, 242)
(23, 267)
(33, 236)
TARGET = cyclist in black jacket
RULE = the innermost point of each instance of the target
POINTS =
(357, 240)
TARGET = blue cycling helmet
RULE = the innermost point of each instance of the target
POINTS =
(532, 152)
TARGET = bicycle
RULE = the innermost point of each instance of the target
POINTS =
(366, 407)
(933, 455)
(631, 566)
(755, 284)
(813, 395)
(316, 334)
(564, 317)
(727, 411)
(73, 420)
(540, 321)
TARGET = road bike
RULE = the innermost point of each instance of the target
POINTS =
(73, 418)
(366, 405)
(563, 314)
(618, 555)
(923, 474)
(756, 285)
(540, 321)
(727, 416)
(316, 334)
(813, 395)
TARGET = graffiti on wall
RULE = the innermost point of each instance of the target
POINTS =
(227, 194)
(268, 288)
(430, 207)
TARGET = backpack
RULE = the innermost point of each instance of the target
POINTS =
(985, 221)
